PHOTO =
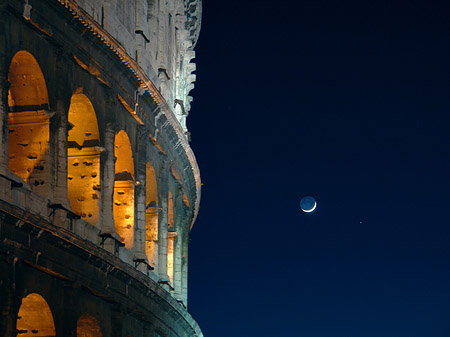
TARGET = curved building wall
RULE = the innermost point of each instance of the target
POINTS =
(98, 185)
(160, 36)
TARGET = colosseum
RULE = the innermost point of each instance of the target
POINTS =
(98, 185)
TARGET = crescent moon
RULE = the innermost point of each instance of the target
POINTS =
(312, 209)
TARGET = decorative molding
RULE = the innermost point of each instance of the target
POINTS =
(95, 28)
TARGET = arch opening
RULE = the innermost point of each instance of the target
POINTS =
(83, 159)
(171, 239)
(123, 207)
(28, 122)
(35, 317)
(151, 215)
(87, 326)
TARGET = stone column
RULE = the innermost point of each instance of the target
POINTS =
(177, 276)
(108, 230)
(178, 245)
(140, 217)
(141, 32)
(4, 87)
(163, 230)
(163, 235)
(60, 123)
(184, 266)
(59, 156)
(60, 187)
(107, 225)
(139, 237)
(5, 185)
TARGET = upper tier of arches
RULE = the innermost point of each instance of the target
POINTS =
(115, 190)
(81, 126)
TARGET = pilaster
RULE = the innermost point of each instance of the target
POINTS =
(110, 239)
(163, 232)
(4, 87)
(178, 245)
(140, 216)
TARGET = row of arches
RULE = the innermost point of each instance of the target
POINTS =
(35, 318)
(29, 157)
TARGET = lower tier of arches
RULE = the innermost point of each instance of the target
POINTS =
(77, 288)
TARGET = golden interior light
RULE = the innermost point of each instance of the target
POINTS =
(28, 123)
(35, 317)
(186, 200)
(83, 159)
(170, 219)
(27, 83)
(170, 243)
(87, 326)
(123, 207)
(171, 255)
(151, 215)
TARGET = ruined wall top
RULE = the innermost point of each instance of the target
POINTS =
(160, 36)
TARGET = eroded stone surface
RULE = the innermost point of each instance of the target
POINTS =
(98, 185)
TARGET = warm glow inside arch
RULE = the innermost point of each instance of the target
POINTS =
(124, 189)
(87, 326)
(83, 159)
(151, 215)
(35, 317)
(28, 123)
(171, 239)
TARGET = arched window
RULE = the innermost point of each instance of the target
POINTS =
(28, 123)
(124, 189)
(35, 317)
(83, 159)
(151, 216)
(87, 326)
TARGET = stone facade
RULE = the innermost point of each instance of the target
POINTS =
(98, 185)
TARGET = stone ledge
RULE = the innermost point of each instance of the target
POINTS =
(97, 257)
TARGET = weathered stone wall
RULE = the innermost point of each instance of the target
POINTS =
(160, 36)
(76, 278)
(98, 185)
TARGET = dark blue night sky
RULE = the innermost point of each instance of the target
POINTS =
(347, 101)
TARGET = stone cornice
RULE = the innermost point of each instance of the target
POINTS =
(97, 257)
(98, 31)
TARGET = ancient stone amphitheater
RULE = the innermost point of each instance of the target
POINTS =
(98, 185)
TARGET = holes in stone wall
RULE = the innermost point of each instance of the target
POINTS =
(87, 326)
(123, 198)
(83, 159)
(35, 317)
(28, 123)
(151, 216)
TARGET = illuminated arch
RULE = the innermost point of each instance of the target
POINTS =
(171, 239)
(170, 219)
(151, 215)
(124, 189)
(87, 326)
(35, 317)
(28, 123)
(83, 159)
